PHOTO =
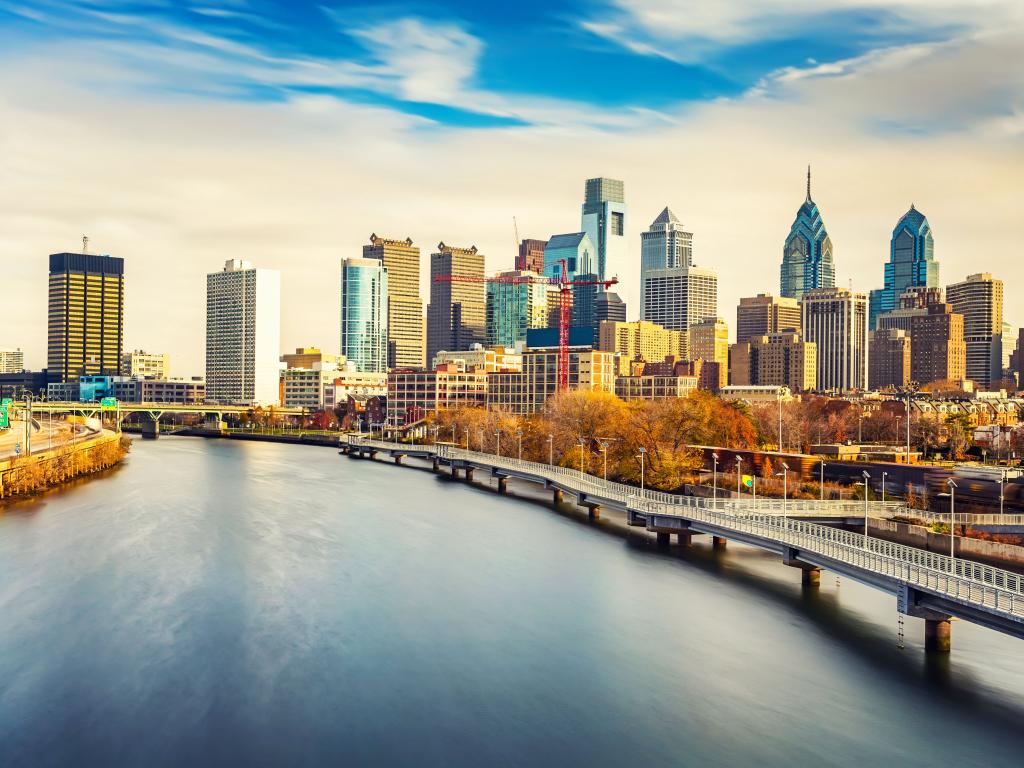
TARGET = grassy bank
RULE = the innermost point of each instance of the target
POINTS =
(26, 475)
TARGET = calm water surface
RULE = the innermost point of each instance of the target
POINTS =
(216, 602)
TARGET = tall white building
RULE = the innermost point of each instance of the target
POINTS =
(604, 220)
(146, 365)
(243, 334)
(364, 314)
(836, 319)
(673, 292)
(11, 360)
(979, 299)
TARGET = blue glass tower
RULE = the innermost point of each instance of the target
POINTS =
(807, 256)
(911, 263)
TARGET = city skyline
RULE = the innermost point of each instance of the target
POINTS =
(873, 141)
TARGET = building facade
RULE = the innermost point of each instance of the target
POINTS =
(807, 260)
(666, 245)
(85, 316)
(654, 387)
(576, 250)
(364, 314)
(979, 299)
(911, 264)
(889, 358)
(516, 303)
(529, 391)
(307, 357)
(641, 340)
(937, 348)
(778, 359)
(406, 339)
(306, 387)
(11, 360)
(413, 394)
(531, 256)
(608, 306)
(680, 297)
(604, 220)
(836, 319)
(457, 313)
(480, 359)
(764, 314)
(709, 341)
(243, 334)
(146, 365)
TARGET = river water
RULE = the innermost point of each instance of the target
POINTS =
(229, 603)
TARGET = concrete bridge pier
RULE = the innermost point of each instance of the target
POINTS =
(150, 427)
(663, 540)
(398, 459)
(718, 542)
(556, 497)
(468, 472)
(502, 483)
(684, 539)
(810, 575)
(593, 510)
(435, 465)
(938, 635)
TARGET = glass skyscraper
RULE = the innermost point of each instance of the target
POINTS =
(515, 306)
(807, 255)
(604, 220)
(911, 263)
(364, 314)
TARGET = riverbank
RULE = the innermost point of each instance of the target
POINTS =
(27, 475)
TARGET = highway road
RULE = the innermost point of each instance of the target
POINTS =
(43, 436)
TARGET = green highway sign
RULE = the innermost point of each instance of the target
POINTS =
(108, 403)
(5, 417)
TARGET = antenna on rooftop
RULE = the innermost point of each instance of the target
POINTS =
(85, 243)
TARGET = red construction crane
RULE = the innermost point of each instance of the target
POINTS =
(565, 286)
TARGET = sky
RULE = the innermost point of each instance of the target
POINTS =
(180, 134)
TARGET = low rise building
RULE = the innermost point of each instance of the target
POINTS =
(146, 365)
(756, 394)
(641, 340)
(654, 387)
(349, 382)
(309, 357)
(170, 391)
(529, 391)
(482, 359)
(412, 394)
(11, 360)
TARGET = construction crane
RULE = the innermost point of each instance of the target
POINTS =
(564, 285)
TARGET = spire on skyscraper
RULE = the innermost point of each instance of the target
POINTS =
(808, 183)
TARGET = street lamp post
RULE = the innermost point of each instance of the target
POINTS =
(952, 520)
(784, 474)
(884, 475)
(519, 434)
(643, 452)
(480, 437)
(551, 449)
(454, 439)
(821, 482)
(498, 444)
(739, 461)
(714, 480)
(467, 438)
(1002, 484)
(604, 451)
(867, 480)
(780, 419)
(582, 443)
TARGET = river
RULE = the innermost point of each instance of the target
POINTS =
(230, 603)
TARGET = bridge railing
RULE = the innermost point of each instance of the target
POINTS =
(928, 517)
(994, 588)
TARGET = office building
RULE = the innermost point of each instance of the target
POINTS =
(911, 264)
(364, 314)
(531, 256)
(413, 394)
(146, 365)
(836, 319)
(778, 359)
(457, 313)
(170, 391)
(515, 303)
(889, 358)
(709, 341)
(608, 306)
(401, 259)
(306, 387)
(652, 387)
(937, 348)
(604, 220)
(666, 256)
(979, 299)
(680, 297)
(86, 315)
(13, 385)
(1017, 361)
(11, 360)
(480, 359)
(243, 334)
(640, 340)
(348, 382)
(807, 261)
(308, 357)
(764, 315)
(529, 391)
(576, 250)
(913, 302)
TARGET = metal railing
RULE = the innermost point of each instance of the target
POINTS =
(984, 586)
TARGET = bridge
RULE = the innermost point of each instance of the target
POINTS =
(926, 585)
(152, 411)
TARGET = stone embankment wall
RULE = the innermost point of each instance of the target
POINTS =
(995, 553)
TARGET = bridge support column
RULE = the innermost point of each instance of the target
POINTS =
(150, 427)
(556, 497)
(810, 577)
(398, 459)
(594, 511)
(684, 538)
(435, 465)
(663, 539)
(468, 472)
(455, 472)
(502, 484)
(938, 635)
(718, 542)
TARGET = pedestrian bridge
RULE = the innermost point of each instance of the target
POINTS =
(927, 585)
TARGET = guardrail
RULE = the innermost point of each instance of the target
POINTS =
(928, 517)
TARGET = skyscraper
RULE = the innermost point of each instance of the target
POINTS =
(836, 319)
(86, 315)
(979, 299)
(514, 306)
(673, 292)
(764, 315)
(364, 314)
(604, 219)
(911, 263)
(531, 256)
(709, 341)
(457, 313)
(405, 308)
(243, 334)
(608, 306)
(937, 349)
(576, 249)
(807, 255)
(11, 360)
(889, 358)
